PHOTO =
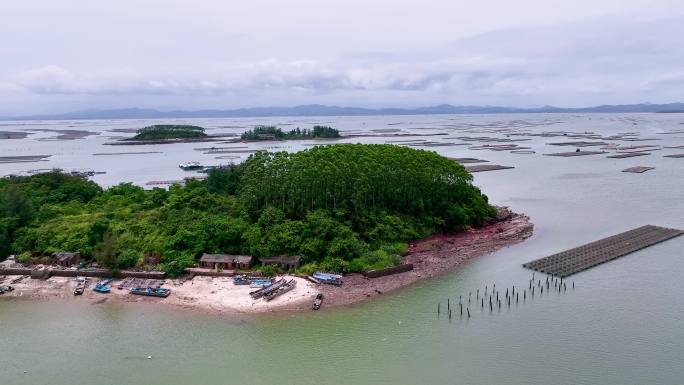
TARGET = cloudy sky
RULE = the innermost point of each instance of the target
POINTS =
(65, 55)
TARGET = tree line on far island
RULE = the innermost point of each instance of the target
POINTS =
(275, 133)
(343, 208)
(169, 131)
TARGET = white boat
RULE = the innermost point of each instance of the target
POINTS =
(191, 166)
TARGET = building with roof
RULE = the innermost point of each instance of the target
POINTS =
(66, 259)
(285, 262)
(226, 261)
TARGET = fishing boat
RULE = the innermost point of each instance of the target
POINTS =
(151, 291)
(103, 286)
(262, 282)
(317, 302)
(331, 279)
(241, 280)
(81, 283)
(191, 166)
(6, 289)
(265, 290)
(281, 290)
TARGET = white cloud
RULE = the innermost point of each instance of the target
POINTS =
(173, 55)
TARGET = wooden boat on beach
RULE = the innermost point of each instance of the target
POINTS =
(241, 280)
(151, 292)
(80, 285)
(265, 290)
(281, 290)
(6, 289)
(103, 286)
(317, 302)
(331, 279)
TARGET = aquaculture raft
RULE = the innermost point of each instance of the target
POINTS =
(584, 257)
(487, 167)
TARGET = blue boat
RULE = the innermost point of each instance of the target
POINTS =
(103, 286)
(151, 291)
(241, 280)
(332, 279)
(256, 283)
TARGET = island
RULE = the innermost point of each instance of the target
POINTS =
(169, 131)
(344, 208)
(274, 133)
(169, 134)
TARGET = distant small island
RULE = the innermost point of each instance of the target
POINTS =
(274, 133)
(169, 131)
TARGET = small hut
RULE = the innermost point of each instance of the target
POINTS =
(66, 259)
(285, 262)
(226, 262)
(243, 262)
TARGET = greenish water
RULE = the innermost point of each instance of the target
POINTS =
(621, 325)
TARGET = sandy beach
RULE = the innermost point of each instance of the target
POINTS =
(208, 294)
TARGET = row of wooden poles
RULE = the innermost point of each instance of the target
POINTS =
(492, 298)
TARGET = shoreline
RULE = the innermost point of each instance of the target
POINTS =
(432, 257)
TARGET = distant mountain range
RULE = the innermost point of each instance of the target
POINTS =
(321, 110)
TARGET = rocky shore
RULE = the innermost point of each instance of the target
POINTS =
(434, 256)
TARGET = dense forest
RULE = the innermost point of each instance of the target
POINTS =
(346, 207)
(274, 133)
(169, 131)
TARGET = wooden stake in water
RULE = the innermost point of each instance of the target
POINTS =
(468, 309)
(448, 304)
(437, 308)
